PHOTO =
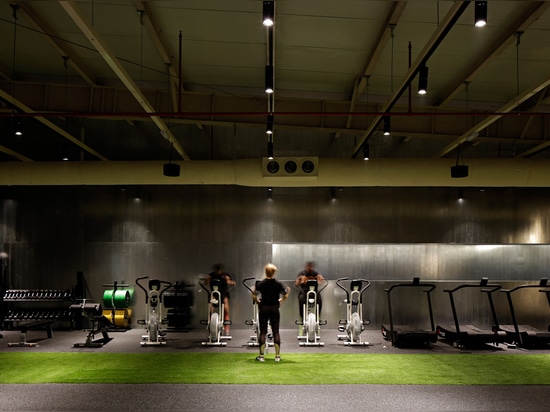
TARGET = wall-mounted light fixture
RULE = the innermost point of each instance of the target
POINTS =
(423, 80)
(480, 13)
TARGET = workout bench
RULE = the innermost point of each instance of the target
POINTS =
(47, 324)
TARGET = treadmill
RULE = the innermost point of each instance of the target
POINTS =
(526, 335)
(470, 335)
(407, 335)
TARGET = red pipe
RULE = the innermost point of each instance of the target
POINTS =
(237, 114)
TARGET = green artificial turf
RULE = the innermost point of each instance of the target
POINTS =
(242, 368)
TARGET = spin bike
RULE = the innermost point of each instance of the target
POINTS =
(153, 311)
(255, 321)
(311, 323)
(216, 322)
(354, 324)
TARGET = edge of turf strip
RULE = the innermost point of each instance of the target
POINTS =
(303, 368)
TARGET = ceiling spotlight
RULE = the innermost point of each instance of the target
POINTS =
(269, 126)
(480, 19)
(66, 151)
(270, 149)
(269, 13)
(423, 80)
(18, 126)
(269, 78)
(387, 128)
(366, 151)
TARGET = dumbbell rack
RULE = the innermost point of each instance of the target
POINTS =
(24, 305)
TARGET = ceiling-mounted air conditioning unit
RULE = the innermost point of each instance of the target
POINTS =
(290, 166)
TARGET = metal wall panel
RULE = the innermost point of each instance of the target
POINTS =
(446, 265)
(176, 233)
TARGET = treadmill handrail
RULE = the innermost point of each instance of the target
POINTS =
(485, 287)
(545, 289)
(430, 285)
(475, 285)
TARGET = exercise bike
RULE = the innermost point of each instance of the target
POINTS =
(354, 324)
(255, 321)
(216, 322)
(153, 315)
(311, 323)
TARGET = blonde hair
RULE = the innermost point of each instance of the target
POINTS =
(270, 270)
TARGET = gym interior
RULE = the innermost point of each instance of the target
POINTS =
(89, 242)
(144, 142)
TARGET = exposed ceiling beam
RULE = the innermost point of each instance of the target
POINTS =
(118, 69)
(542, 146)
(155, 31)
(61, 47)
(386, 33)
(507, 37)
(156, 35)
(14, 154)
(5, 72)
(471, 134)
(24, 108)
(394, 15)
(542, 96)
(534, 150)
(437, 37)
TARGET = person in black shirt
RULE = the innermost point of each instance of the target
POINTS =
(272, 293)
(225, 282)
(301, 283)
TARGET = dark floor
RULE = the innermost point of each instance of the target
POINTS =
(54, 397)
(177, 341)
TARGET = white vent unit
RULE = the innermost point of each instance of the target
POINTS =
(290, 167)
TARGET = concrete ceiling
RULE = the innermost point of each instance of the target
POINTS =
(137, 81)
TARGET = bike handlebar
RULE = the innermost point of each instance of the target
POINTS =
(161, 292)
(246, 285)
(338, 283)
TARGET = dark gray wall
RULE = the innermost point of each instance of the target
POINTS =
(176, 233)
